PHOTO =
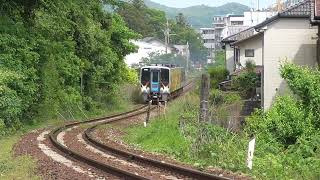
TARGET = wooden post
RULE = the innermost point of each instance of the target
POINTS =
(204, 98)
(148, 114)
(165, 110)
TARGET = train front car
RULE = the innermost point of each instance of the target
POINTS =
(155, 83)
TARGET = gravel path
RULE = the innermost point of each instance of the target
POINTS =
(50, 163)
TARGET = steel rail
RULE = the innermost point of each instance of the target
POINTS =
(96, 164)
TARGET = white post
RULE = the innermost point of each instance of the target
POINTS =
(250, 153)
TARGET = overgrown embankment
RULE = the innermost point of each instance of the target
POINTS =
(287, 135)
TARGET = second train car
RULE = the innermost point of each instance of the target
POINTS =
(161, 82)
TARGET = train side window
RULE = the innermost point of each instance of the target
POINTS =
(165, 76)
(155, 77)
(145, 75)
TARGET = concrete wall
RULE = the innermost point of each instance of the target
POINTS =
(253, 43)
(286, 39)
(229, 58)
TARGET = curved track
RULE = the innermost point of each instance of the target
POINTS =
(170, 169)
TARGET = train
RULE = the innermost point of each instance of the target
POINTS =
(161, 82)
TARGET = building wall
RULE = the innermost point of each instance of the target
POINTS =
(252, 18)
(254, 43)
(287, 39)
(229, 58)
(144, 51)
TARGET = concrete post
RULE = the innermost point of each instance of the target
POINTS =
(204, 98)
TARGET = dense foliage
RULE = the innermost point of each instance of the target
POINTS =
(247, 81)
(219, 58)
(57, 57)
(217, 75)
(148, 22)
(288, 133)
(183, 33)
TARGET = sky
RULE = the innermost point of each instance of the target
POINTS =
(187, 3)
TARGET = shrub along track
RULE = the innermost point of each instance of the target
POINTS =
(115, 161)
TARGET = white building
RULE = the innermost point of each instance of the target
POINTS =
(252, 18)
(147, 46)
(182, 50)
(208, 36)
(287, 36)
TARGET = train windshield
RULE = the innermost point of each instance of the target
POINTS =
(145, 75)
(165, 76)
(155, 76)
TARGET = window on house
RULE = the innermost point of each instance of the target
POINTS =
(237, 55)
(249, 52)
(236, 23)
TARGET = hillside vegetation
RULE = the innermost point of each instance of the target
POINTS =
(200, 16)
(59, 59)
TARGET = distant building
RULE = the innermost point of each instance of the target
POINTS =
(218, 25)
(146, 47)
(208, 36)
(285, 36)
(182, 50)
(151, 45)
(228, 25)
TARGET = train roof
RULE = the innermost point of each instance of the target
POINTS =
(160, 67)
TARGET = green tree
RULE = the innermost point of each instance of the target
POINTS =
(140, 18)
(184, 34)
(156, 58)
(59, 55)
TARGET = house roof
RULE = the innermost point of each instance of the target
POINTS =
(299, 10)
(315, 16)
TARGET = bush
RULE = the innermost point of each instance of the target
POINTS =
(218, 97)
(305, 83)
(246, 83)
(286, 121)
(217, 75)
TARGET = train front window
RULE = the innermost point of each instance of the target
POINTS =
(145, 76)
(155, 76)
(165, 76)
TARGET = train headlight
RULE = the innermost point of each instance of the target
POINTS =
(145, 89)
(165, 90)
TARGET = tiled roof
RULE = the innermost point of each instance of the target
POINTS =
(314, 20)
(299, 10)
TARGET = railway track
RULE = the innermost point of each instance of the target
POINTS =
(172, 171)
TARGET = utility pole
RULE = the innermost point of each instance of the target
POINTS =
(188, 56)
(167, 36)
